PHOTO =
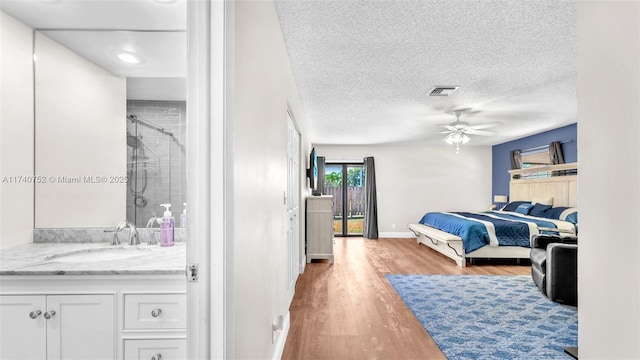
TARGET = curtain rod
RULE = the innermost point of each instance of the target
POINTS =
(542, 147)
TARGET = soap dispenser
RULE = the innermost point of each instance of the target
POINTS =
(167, 227)
(183, 217)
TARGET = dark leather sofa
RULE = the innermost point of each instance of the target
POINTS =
(554, 267)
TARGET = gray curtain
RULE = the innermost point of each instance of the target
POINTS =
(370, 202)
(555, 153)
(516, 159)
(321, 161)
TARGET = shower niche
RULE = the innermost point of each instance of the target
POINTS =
(156, 160)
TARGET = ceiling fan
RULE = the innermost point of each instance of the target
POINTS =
(458, 130)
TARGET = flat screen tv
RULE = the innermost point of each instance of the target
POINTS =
(312, 172)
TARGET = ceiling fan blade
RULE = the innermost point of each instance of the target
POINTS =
(445, 132)
(485, 126)
(448, 127)
(461, 110)
(479, 132)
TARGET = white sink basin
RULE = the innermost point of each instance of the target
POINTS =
(100, 254)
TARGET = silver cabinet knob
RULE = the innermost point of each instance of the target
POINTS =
(156, 312)
(156, 357)
(49, 314)
(35, 314)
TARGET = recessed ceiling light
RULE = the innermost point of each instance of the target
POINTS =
(128, 57)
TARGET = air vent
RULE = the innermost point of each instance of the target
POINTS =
(443, 90)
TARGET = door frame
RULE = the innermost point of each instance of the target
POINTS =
(293, 192)
(210, 235)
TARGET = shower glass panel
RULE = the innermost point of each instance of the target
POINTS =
(156, 162)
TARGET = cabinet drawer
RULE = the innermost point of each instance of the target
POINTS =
(155, 311)
(157, 349)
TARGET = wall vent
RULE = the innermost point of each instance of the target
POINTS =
(443, 90)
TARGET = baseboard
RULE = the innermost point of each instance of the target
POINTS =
(400, 234)
(303, 264)
(282, 337)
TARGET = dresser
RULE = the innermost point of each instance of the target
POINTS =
(320, 227)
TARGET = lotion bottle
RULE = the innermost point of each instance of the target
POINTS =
(167, 227)
(183, 217)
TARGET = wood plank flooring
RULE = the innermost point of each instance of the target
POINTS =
(348, 310)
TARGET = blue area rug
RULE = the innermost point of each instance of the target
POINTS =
(489, 317)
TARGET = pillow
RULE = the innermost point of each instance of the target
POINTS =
(513, 205)
(543, 201)
(524, 209)
(570, 215)
(555, 212)
(539, 209)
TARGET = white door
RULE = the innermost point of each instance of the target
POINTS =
(293, 206)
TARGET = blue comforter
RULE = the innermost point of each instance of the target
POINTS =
(477, 229)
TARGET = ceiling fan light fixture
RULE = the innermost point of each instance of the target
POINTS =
(443, 90)
(457, 138)
(449, 139)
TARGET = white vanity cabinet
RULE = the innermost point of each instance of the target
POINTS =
(57, 326)
(93, 317)
(320, 227)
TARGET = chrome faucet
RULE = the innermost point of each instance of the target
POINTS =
(134, 239)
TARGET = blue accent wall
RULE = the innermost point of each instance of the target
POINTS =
(568, 135)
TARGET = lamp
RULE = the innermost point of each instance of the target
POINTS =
(500, 199)
(457, 137)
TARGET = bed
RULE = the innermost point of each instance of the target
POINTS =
(542, 200)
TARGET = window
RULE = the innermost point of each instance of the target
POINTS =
(535, 157)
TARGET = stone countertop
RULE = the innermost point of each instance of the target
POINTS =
(43, 259)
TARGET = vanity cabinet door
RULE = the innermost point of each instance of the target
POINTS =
(23, 327)
(82, 327)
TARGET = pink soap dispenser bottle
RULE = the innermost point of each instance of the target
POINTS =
(167, 227)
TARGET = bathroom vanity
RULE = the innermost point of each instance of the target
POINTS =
(93, 301)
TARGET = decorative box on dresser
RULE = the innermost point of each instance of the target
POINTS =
(320, 227)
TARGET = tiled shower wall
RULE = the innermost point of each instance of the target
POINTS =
(154, 179)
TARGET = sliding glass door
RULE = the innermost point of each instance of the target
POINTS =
(345, 181)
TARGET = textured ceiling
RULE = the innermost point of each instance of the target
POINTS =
(364, 68)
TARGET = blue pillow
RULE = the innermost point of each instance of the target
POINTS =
(539, 209)
(524, 209)
(513, 205)
(554, 212)
(572, 218)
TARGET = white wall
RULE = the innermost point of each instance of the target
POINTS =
(264, 89)
(609, 189)
(16, 131)
(414, 179)
(80, 131)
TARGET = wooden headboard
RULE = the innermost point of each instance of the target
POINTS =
(557, 181)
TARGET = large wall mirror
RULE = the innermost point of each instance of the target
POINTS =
(110, 109)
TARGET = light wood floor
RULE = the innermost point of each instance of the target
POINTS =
(348, 310)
